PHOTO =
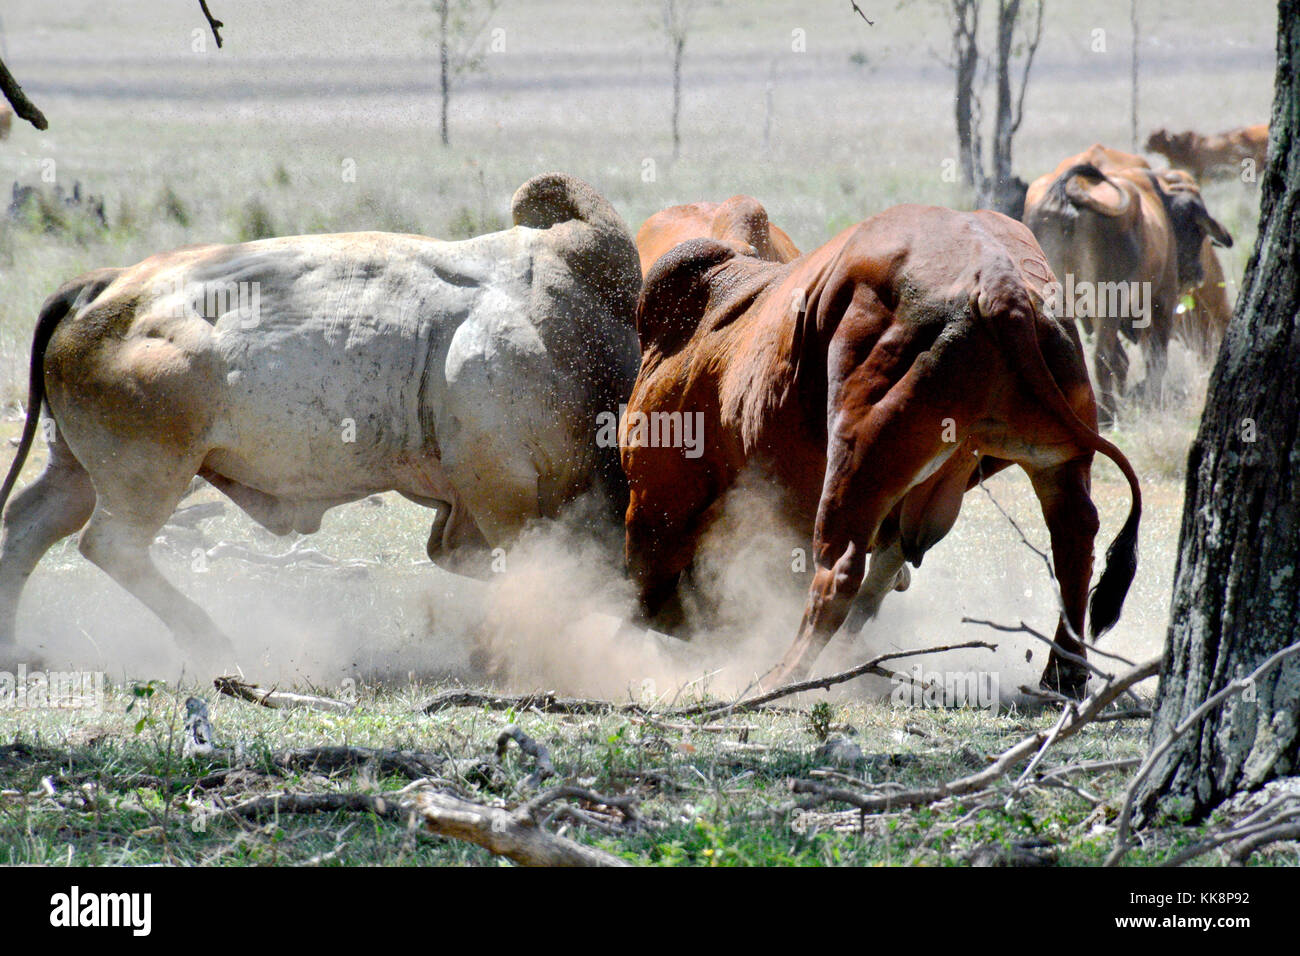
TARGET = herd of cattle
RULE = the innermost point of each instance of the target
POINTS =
(876, 379)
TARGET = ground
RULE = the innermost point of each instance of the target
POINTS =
(330, 125)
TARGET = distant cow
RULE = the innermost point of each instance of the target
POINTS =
(876, 378)
(740, 221)
(297, 374)
(1126, 242)
(1204, 155)
(6, 119)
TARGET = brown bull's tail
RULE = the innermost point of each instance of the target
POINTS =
(1015, 325)
(54, 310)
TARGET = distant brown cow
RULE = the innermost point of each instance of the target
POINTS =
(1203, 155)
(6, 119)
(876, 379)
(740, 221)
(1130, 240)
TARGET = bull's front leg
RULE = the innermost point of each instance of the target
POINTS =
(829, 599)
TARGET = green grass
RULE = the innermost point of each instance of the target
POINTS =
(103, 788)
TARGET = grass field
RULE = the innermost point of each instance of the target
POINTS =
(262, 138)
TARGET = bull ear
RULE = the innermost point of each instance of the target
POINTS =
(1214, 229)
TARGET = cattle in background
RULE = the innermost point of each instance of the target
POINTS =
(876, 379)
(1123, 234)
(297, 374)
(6, 119)
(1205, 155)
(741, 221)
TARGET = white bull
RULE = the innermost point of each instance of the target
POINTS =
(296, 374)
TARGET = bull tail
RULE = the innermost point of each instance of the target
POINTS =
(55, 309)
(1016, 326)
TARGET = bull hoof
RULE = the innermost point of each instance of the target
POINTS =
(1066, 680)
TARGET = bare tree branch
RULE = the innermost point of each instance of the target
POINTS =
(213, 22)
(24, 107)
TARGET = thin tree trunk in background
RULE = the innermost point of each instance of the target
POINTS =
(1237, 582)
(769, 91)
(1008, 13)
(965, 60)
(444, 11)
(679, 48)
(1133, 75)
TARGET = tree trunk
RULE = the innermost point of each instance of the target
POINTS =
(1237, 582)
(444, 11)
(1133, 77)
(1008, 13)
(965, 48)
(679, 48)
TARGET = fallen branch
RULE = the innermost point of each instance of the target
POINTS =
(385, 805)
(546, 703)
(1277, 815)
(1074, 720)
(512, 834)
(1123, 827)
(332, 760)
(819, 683)
(278, 699)
(539, 753)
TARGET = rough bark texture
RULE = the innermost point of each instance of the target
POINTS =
(1237, 586)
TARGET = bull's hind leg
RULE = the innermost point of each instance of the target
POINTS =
(52, 507)
(863, 485)
(128, 514)
(1063, 495)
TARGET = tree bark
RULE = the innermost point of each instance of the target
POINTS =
(1237, 582)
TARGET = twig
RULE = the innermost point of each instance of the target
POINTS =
(1284, 831)
(213, 22)
(625, 804)
(278, 699)
(539, 753)
(1078, 718)
(24, 107)
(858, 10)
(820, 683)
(1261, 821)
(1123, 827)
(1023, 628)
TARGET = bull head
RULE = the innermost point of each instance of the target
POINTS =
(1191, 223)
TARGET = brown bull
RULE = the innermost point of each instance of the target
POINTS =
(1203, 155)
(876, 378)
(1127, 243)
(741, 222)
